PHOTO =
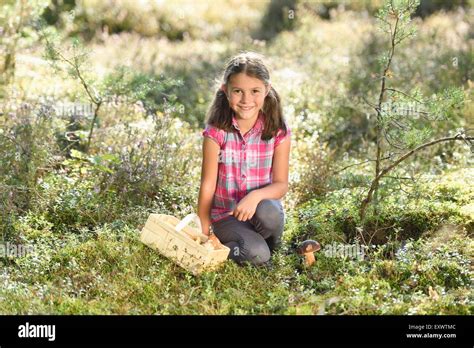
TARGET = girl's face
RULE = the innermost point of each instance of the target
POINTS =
(246, 95)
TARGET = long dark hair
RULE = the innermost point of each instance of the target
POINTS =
(220, 112)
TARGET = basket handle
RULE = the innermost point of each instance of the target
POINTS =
(185, 221)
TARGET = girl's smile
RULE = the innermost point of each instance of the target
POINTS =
(245, 108)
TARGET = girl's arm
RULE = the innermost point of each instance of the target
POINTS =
(204, 208)
(210, 152)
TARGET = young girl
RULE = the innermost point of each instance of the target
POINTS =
(245, 163)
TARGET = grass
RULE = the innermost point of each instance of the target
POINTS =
(107, 270)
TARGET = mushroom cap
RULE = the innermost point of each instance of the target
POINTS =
(308, 246)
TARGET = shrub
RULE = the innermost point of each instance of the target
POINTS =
(27, 150)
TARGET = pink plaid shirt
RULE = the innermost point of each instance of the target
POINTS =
(245, 164)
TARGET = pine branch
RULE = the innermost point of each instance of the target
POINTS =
(383, 172)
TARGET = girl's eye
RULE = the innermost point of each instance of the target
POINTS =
(237, 91)
(256, 91)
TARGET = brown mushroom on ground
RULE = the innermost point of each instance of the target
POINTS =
(308, 248)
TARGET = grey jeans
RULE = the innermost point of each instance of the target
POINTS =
(253, 240)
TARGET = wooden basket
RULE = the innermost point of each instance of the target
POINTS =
(182, 243)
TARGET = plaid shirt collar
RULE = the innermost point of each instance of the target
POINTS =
(258, 126)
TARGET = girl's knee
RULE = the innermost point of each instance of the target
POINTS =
(270, 214)
(259, 254)
(256, 254)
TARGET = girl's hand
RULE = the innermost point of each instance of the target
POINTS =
(246, 207)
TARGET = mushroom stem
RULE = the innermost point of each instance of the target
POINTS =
(309, 258)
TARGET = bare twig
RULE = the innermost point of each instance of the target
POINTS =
(403, 93)
(386, 136)
(370, 104)
(357, 164)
